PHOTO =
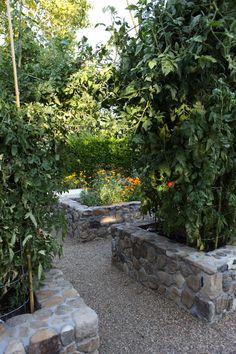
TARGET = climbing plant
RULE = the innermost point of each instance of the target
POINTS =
(178, 84)
(32, 157)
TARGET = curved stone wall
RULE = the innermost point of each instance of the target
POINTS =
(63, 324)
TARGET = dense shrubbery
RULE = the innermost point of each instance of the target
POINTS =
(30, 174)
(179, 75)
(90, 153)
(31, 138)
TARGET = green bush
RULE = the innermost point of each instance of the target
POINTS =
(180, 72)
(91, 153)
(30, 176)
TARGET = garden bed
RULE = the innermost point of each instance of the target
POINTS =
(203, 284)
(63, 324)
(87, 223)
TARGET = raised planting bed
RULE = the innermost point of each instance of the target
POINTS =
(63, 324)
(203, 284)
(87, 223)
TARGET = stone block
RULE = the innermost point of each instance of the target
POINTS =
(162, 289)
(204, 309)
(17, 320)
(136, 263)
(52, 301)
(222, 304)
(151, 254)
(44, 341)
(125, 268)
(15, 347)
(165, 278)
(3, 332)
(212, 285)
(142, 275)
(160, 262)
(152, 282)
(70, 293)
(185, 269)
(67, 335)
(143, 251)
(187, 298)
(175, 294)
(71, 348)
(44, 294)
(136, 251)
(194, 283)
(42, 314)
(86, 323)
(146, 265)
(76, 302)
(89, 345)
(171, 267)
(179, 280)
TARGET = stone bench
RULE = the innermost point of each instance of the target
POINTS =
(63, 324)
(203, 284)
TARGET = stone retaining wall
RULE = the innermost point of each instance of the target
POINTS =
(204, 284)
(63, 324)
(87, 223)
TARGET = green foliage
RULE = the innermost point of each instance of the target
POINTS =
(30, 176)
(179, 76)
(90, 153)
(48, 19)
(32, 157)
(109, 187)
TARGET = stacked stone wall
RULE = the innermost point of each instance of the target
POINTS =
(63, 324)
(87, 223)
(203, 284)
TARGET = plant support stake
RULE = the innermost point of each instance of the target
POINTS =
(31, 290)
(13, 57)
(132, 17)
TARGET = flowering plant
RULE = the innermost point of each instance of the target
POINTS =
(76, 181)
(110, 187)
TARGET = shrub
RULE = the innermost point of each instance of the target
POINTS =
(30, 176)
(180, 71)
(91, 153)
(111, 187)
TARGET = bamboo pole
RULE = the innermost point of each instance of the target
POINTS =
(13, 57)
(132, 17)
(31, 290)
(17, 93)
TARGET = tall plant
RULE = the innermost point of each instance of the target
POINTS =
(30, 173)
(31, 138)
(178, 75)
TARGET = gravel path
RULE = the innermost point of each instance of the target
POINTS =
(133, 319)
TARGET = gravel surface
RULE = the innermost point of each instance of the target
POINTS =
(133, 319)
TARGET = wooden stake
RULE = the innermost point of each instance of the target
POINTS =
(13, 57)
(31, 290)
(132, 17)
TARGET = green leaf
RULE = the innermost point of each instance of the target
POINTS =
(152, 63)
(167, 64)
(14, 150)
(32, 218)
(11, 254)
(29, 237)
(40, 271)
(13, 239)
